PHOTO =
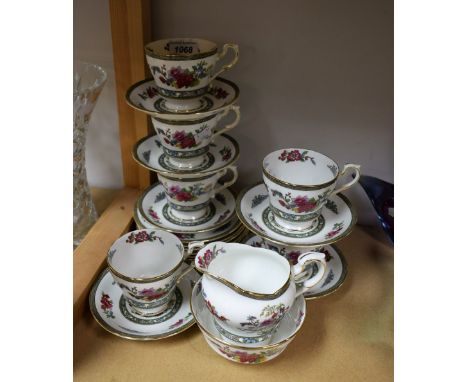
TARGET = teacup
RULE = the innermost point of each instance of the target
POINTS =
(146, 265)
(299, 182)
(187, 142)
(183, 68)
(189, 198)
(248, 290)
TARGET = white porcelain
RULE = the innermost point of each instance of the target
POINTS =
(249, 290)
(189, 198)
(111, 310)
(144, 97)
(299, 183)
(186, 142)
(336, 264)
(183, 68)
(247, 354)
(147, 281)
(155, 208)
(336, 221)
(222, 152)
(230, 227)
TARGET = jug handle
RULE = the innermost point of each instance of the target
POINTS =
(299, 268)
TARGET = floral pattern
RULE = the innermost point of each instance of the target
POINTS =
(337, 227)
(187, 194)
(159, 197)
(182, 78)
(226, 153)
(212, 309)
(294, 156)
(106, 305)
(142, 236)
(180, 321)
(298, 204)
(243, 356)
(218, 93)
(333, 169)
(329, 278)
(146, 155)
(271, 315)
(205, 259)
(223, 216)
(154, 215)
(299, 319)
(258, 199)
(254, 222)
(149, 92)
(331, 205)
(182, 139)
(147, 294)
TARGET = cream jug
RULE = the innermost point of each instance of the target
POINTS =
(249, 290)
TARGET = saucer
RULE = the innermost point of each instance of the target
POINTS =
(144, 97)
(336, 221)
(336, 263)
(223, 151)
(112, 312)
(220, 232)
(154, 207)
(247, 354)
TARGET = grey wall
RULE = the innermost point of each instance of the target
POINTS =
(312, 74)
(92, 43)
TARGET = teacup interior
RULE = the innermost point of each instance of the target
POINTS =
(300, 166)
(181, 47)
(145, 259)
(253, 269)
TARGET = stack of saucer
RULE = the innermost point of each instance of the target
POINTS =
(189, 151)
(297, 209)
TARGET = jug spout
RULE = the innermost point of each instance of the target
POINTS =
(242, 268)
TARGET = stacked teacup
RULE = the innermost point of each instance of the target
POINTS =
(193, 157)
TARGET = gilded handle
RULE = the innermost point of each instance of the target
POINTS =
(226, 128)
(357, 169)
(226, 47)
(299, 268)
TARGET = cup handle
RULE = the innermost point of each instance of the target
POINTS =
(231, 125)
(226, 47)
(357, 169)
(221, 187)
(194, 245)
(299, 268)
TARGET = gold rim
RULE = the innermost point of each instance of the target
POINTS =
(105, 326)
(145, 192)
(299, 245)
(200, 114)
(302, 187)
(178, 57)
(148, 279)
(271, 346)
(186, 172)
(298, 186)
